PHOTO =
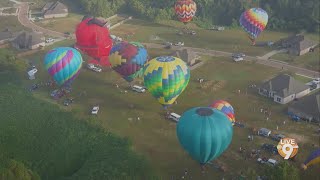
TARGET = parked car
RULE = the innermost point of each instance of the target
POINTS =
(316, 81)
(277, 137)
(95, 110)
(49, 40)
(138, 89)
(56, 94)
(167, 43)
(262, 160)
(237, 59)
(238, 55)
(193, 33)
(34, 87)
(179, 44)
(174, 117)
(238, 124)
(270, 148)
(272, 162)
(68, 101)
(264, 132)
(96, 69)
(168, 46)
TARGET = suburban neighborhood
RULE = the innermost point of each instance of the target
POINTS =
(150, 90)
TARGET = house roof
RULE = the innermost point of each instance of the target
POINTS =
(26, 39)
(309, 105)
(284, 85)
(186, 55)
(55, 8)
(304, 44)
(298, 41)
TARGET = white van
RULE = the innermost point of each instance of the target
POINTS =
(138, 89)
(272, 162)
(175, 117)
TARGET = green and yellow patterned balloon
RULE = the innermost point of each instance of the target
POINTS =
(166, 77)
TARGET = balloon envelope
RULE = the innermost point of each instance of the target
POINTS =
(314, 158)
(63, 64)
(166, 77)
(94, 40)
(205, 133)
(185, 10)
(254, 21)
(128, 59)
(226, 108)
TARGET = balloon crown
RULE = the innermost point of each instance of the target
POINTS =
(204, 111)
(165, 58)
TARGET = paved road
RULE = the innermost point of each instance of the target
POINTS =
(271, 63)
(24, 20)
(269, 54)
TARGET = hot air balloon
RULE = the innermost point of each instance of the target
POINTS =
(226, 108)
(94, 40)
(63, 64)
(205, 133)
(185, 10)
(166, 77)
(254, 21)
(314, 158)
(128, 59)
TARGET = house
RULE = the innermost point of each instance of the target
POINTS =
(297, 44)
(54, 10)
(6, 36)
(283, 89)
(28, 40)
(307, 108)
(187, 55)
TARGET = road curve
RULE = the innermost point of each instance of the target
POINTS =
(24, 20)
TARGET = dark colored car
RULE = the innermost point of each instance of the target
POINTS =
(277, 137)
(34, 87)
(238, 124)
(68, 101)
(270, 148)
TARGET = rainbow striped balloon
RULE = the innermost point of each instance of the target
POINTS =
(63, 64)
(254, 21)
(166, 77)
(224, 107)
(185, 10)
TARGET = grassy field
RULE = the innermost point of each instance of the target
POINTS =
(229, 40)
(155, 137)
(310, 60)
(38, 138)
(67, 24)
(10, 10)
(10, 22)
(6, 3)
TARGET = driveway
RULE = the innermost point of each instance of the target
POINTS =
(268, 55)
(24, 20)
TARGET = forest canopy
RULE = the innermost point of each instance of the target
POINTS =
(287, 15)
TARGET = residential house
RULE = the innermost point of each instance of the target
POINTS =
(187, 55)
(54, 10)
(283, 89)
(29, 40)
(6, 36)
(297, 44)
(307, 108)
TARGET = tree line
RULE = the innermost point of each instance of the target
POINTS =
(287, 15)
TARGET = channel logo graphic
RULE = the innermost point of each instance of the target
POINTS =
(287, 148)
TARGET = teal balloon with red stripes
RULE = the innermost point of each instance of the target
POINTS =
(63, 64)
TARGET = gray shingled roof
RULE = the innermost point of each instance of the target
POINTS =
(186, 55)
(305, 43)
(284, 85)
(25, 39)
(309, 105)
(56, 8)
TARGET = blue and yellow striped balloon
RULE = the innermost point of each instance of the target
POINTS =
(63, 64)
(166, 77)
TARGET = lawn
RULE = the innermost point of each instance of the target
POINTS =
(6, 3)
(230, 40)
(10, 22)
(40, 140)
(10, 10)
(310, 60)
(155, 137)
(67, 24)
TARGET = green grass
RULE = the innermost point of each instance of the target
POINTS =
(10, 22)
(10, 10)
(310, 60)
(66, 24)
(6, 3)
(229, 40)
(39, 138)
(155, 137)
